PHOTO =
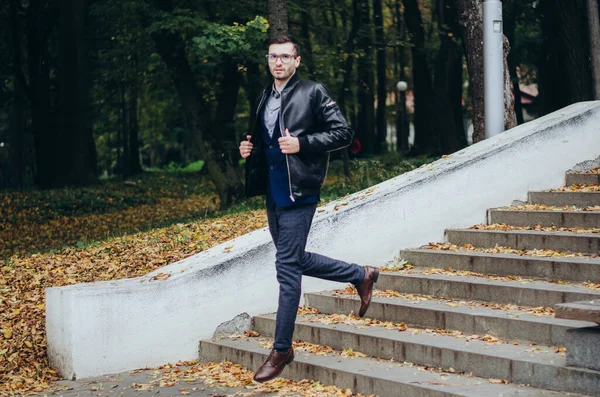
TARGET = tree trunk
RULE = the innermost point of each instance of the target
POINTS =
(448, 80)
(594, 39)
(565, 76)
(135, 166)
(124, 161)
(77, 166)
(253, 85)
(551, 85)
(380, 44)
(307, 53)
(365, 131)
(572, 33)
(426, 134)
(510, 10)
(16, 146)
(172, 50)
(222, 130)
(346, 66)
(278, 18)
(43, 119)
(510, 118)
(471, 26)
(517, 93)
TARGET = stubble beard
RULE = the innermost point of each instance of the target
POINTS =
(284, 76)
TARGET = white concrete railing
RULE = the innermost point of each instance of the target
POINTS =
(106, 327)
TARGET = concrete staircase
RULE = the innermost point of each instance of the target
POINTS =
(469, 317)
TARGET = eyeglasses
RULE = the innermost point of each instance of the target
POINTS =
(285, 58)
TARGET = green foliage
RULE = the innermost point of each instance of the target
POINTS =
(178, 21)
(366, 173)
(195, 166)
(238, 42)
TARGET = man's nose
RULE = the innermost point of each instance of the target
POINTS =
(278, 61)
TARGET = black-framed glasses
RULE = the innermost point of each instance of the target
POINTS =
(285, 58)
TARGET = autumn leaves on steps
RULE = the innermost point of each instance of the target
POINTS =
(472, 316)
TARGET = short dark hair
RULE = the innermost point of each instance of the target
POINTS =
(284, 38)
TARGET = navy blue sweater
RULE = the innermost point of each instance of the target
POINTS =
(278, 190)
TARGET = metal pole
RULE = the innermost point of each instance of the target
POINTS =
(493, 67)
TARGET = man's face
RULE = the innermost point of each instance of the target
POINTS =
(283, 71)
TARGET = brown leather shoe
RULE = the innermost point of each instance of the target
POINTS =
(365, 289)
(274, 365)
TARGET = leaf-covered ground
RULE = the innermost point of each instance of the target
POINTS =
(76, 228)
(508, 250)
(313, 316)
(537, 228)
(23, 279)
(43, 220)
(592, 171)
(543, 207)
(112, 231)
(578, 188)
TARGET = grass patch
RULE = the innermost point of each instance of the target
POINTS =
(38, 221)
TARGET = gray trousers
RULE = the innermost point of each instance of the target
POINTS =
(289, 227)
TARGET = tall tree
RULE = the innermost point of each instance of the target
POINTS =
(223, 128)
(564, 71)
(593, 19)
(402, 122)
(278, 18)
(471, 21)
(380, 44)
(427, 138)
(448, 80)
(471, 26)
(346, 63)
(510, 118)
(365, 131)
(171, 46)
(43, 119)
(16, 145)
(77, 146)
(307, 48)
(135, 166)
(511, 11)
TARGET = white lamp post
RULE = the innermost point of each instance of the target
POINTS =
(493, 67)
(401, 119)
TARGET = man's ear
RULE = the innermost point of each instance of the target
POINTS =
(298, 59)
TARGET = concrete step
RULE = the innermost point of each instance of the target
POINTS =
(579, 199)
(521, 292)
(583, 310)
(526, 239)
(582, 179)
(554, 268)
(538, 366)
(429, 312)
(582, 219)
(365, 375)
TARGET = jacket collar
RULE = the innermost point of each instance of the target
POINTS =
(291, 82)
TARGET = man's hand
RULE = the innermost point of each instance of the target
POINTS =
(246, 147)
(289, 144)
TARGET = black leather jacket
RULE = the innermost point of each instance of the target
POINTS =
(310, 114)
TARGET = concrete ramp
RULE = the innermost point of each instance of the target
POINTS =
(108, 327)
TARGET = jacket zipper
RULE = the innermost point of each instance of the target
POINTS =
(287, 161)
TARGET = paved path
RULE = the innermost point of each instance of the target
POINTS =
(145, 383)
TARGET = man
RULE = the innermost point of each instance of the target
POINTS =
(297, 125)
